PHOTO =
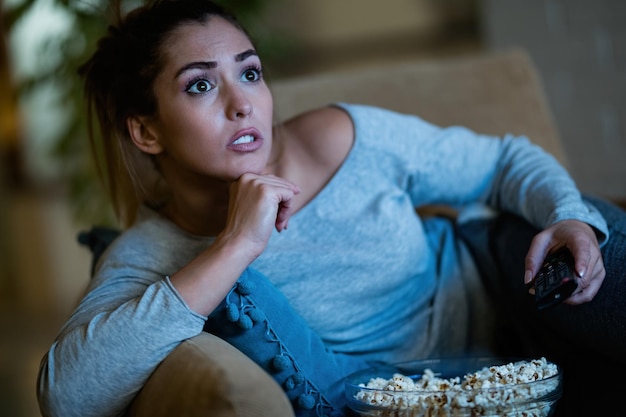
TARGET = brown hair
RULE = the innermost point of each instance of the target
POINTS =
(118, 83)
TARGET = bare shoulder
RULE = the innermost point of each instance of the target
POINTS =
(325, 134)
(313, 146)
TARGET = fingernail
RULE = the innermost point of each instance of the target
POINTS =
(580, 273)
(528, 276)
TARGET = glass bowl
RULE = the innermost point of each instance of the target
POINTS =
(443, 387)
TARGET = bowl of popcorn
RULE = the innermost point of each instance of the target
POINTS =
(502, 387)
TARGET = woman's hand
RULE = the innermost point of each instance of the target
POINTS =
(581, 240)
(257, 205)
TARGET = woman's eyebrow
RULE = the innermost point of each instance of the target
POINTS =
(213, 64)
(194, 65)
(245, 54)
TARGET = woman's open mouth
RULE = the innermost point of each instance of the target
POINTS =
(247, 140)
(244, 139)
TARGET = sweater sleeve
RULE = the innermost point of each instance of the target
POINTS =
(457, 166)
(122, 329)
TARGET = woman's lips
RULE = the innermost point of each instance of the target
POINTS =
(248, 140)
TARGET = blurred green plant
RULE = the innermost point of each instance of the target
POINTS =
(88, 21)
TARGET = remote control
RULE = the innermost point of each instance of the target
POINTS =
(555, 281)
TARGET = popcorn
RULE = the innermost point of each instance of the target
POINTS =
(431, 396)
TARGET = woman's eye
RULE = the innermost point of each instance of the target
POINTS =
(251, 75)
(199, 87)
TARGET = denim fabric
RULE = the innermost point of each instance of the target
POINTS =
(588, 340)
(257, 319)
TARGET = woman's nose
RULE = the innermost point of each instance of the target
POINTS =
(238, 104)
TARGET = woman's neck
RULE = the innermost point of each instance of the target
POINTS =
(203, 215)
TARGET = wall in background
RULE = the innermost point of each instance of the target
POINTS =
(579, 47)
(332, 34)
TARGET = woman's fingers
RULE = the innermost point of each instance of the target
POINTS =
(590, 281)
(580, 239)
(539, 248)
(283, 215)
(259, 203)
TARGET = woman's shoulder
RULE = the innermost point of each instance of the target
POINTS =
(323, 133)
(349, 120)
(318, 123)
(152, 241)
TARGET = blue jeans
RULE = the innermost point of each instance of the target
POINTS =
(588, 341)
(256, 318)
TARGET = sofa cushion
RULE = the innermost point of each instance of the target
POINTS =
(205, 376)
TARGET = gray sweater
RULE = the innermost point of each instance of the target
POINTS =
(371, 277)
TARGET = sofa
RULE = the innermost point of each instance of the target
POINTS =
(493, 93)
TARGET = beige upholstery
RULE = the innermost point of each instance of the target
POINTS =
(494, 94)
(205, 376)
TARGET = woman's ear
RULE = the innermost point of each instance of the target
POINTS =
(143, 136)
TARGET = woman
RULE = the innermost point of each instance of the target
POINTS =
(307, 227)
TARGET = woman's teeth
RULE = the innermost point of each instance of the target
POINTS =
(244, 139)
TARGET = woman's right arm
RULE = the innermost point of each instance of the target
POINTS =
(132, 320)
(111, 344)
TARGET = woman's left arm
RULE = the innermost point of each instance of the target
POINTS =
(512, 174)
(532, 183)
(456, 166)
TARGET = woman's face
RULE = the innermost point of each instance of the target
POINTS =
(215, 110)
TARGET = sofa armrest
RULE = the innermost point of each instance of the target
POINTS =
(206, 376)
